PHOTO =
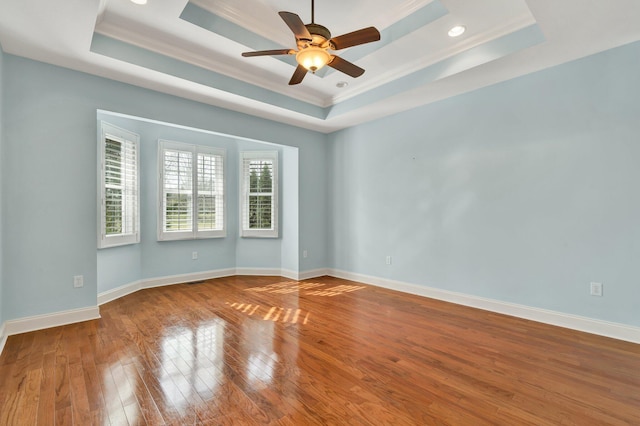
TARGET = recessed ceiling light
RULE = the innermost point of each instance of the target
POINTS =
(456, 31)
(139, 1)
(341, 84)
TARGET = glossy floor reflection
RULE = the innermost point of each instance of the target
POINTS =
(263, 350)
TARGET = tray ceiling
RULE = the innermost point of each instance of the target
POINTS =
(193, 48)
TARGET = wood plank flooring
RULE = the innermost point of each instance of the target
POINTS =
(269, 351)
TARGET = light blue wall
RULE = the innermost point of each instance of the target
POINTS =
(313, 168)
(1, 182)
(50, 139)
(117, 266)
(49, 203)
(289, 223)
(524, 192)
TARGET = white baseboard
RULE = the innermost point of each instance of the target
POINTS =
(589, 325)
(292, 275)
(268, 272)
(575, 322)
(3, 336)
(56, 319)
(286, 273)
(187, 278)
(313, 273)
(117, 293)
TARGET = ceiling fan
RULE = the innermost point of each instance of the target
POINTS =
(314, 41)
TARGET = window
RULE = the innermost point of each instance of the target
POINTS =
(259, 197)
(119, 200)
(191, 192)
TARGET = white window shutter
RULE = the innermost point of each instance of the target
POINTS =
(119, 203)
(191, 192)
(259, 194)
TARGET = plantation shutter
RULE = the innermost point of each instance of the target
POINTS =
(177, 191)
(119, 195)
(192, 191)
(259, 194)
(210, 174)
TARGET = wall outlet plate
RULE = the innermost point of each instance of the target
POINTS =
(78, 281)
(596, 289)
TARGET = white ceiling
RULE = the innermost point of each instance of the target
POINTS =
(193, 48)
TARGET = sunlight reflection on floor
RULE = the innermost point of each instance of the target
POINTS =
(306, 288)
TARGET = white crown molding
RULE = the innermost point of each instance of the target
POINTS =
(102, 7)
(390, 17)
(446, 52)
(589, 325)
(236, 12)
(196, 56)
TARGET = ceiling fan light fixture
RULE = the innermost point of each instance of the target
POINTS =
(313, 58)
(456, 31)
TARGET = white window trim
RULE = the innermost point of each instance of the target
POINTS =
(194, 233)
(115, 133)
(245, 232)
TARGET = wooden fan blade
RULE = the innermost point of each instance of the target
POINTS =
(365, 35)
(345, 66)
(269, 52)
(298, 75)
(296, 25)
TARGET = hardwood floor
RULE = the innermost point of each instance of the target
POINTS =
(266, 350)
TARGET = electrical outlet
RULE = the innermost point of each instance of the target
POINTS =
(388, 260)
(596, 289)
(78, 281)
(194, 255)
(305, 254)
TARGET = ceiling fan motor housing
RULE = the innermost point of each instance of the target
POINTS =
(319, 34)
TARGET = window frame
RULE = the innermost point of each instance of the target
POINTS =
(194, 151)
(245, 231)
(109, 131)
